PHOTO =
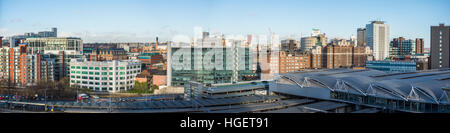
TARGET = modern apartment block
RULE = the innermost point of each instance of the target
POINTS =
(13, 64)
(18, 68)
(440, 46)
(290, 62)
(40, 68)
(401, 47)
(377, 38)
(111, 76)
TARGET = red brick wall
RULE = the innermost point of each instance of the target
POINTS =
(159, 80)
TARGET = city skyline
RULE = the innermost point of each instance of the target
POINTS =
(142, 21)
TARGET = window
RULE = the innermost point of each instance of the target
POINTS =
(91, 73)
(110, 68)
(73, 67)
(84, 68)
(97, 68)
(85, 72)
(97, 78)
(104, 73)
(97, 73)
(90, 68)
(78, 67)
(104, 68)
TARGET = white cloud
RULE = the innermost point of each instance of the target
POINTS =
(5, 32)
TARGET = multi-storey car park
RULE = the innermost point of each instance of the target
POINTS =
(111, 76)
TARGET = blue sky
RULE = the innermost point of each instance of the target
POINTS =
(142, 20)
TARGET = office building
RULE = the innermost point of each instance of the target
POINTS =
(107, 54)
(296, 61)
(53, 45)
(289, 45)
(42, 34)
(420, 46)
(377, 38)
(361, 37)
(111, 76)
(335, 56)
(209, 62)
(316, 57)
(1, 41)
(392, 66)
(342, 42)
(90, 47)
(440, 46)
(149, 59)
(307, 43)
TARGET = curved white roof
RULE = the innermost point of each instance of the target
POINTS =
(421, 86)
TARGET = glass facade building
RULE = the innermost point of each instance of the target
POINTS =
(401, 47)
(392, 66)
(195, 68)
(38, 45)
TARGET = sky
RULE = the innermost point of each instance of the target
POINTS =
(143, 20)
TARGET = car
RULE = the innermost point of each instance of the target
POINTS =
(83, 96)
(95, 96)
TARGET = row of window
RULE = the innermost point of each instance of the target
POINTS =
(103, 73)
(99, 83)
(103, 88)
(103, 68)
(98, 78)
